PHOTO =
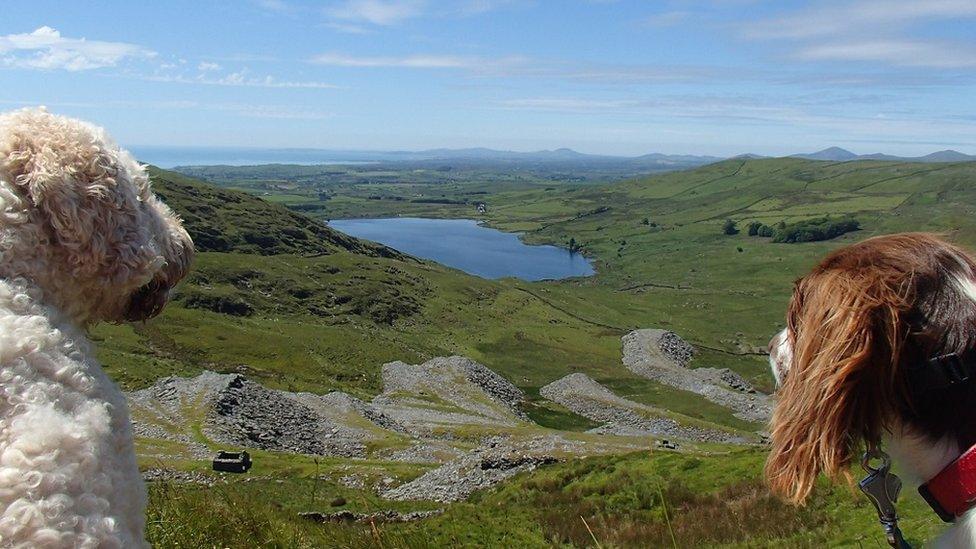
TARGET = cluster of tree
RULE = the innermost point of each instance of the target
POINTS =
(730, 227)
(594, 211)
(761, 229)
(437, 201)
(811, 230)
(574, 246)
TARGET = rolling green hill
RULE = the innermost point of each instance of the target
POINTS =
(662, 257)
(658, 242)
(320, 311)
(702, 499)
(220, 220)
(310, 309)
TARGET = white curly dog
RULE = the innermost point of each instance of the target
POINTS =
(82, 240)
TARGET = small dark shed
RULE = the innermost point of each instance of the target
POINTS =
(232, 462)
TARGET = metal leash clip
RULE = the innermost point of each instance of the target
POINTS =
(882, 487)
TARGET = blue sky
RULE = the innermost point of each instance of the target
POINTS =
(603, 76)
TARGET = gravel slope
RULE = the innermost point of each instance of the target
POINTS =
(447, 392)
(663, 356)
(586, 397)
(417, 401)
(424, 415)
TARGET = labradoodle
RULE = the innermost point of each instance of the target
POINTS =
(82, 239)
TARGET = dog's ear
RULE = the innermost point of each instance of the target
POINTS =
(79, 198)
(847, 332)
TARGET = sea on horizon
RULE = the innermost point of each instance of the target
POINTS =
(171, 157)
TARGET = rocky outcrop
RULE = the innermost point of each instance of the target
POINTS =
(677, 350)
(445, 392)
(498, 459)
(663, 356)
(163, 410)
(390, 516)
(419, 401)
(586, 397)
(239, 412)
(158, 474)
(424, 415)
(246, 414)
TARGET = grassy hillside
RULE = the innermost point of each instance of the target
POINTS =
(656, 499)
(659, 245)
(658, 242)
(305, 308)
(310, 309)
(220, 220)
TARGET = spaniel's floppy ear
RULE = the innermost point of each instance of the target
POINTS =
(847, 337)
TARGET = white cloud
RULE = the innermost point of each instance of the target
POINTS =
(410, 61)
(568, 104)
(206, 66)
(894, 52)
(477, 7)
(347, 28)
(279, 6)
(870, 15)
(239, 79)
(46, 49)
(377, 12)
(247, 110)
(349, 16)
(279, 112)
(666, 19)
(524, 67)
(877, 31)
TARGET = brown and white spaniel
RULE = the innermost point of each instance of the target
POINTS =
(880, 349)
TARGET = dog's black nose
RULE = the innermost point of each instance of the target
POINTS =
(147, 301)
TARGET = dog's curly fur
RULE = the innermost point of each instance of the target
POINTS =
(82, 240)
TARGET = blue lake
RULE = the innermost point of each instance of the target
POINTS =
(472, 248)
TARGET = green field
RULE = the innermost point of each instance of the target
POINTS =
(702, 499)
(294, 305)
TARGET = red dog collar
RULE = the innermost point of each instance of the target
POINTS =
(953, 491)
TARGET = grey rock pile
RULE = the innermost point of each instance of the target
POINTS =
(380, 516)
(169, 475)
(422, 408)
(239, 412)
(246, 414)
(496, 460)
(735, 381)
(422, 401)
(662, 356)
(621, 416)
(445, 392)
(678, 350)
(424, 452)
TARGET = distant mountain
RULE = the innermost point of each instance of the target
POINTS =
(563, 158)
(880, 156)
(555, 156)
(837, 154)
(492, 154)
(947, 156)
(171, 157)
(684, 158)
